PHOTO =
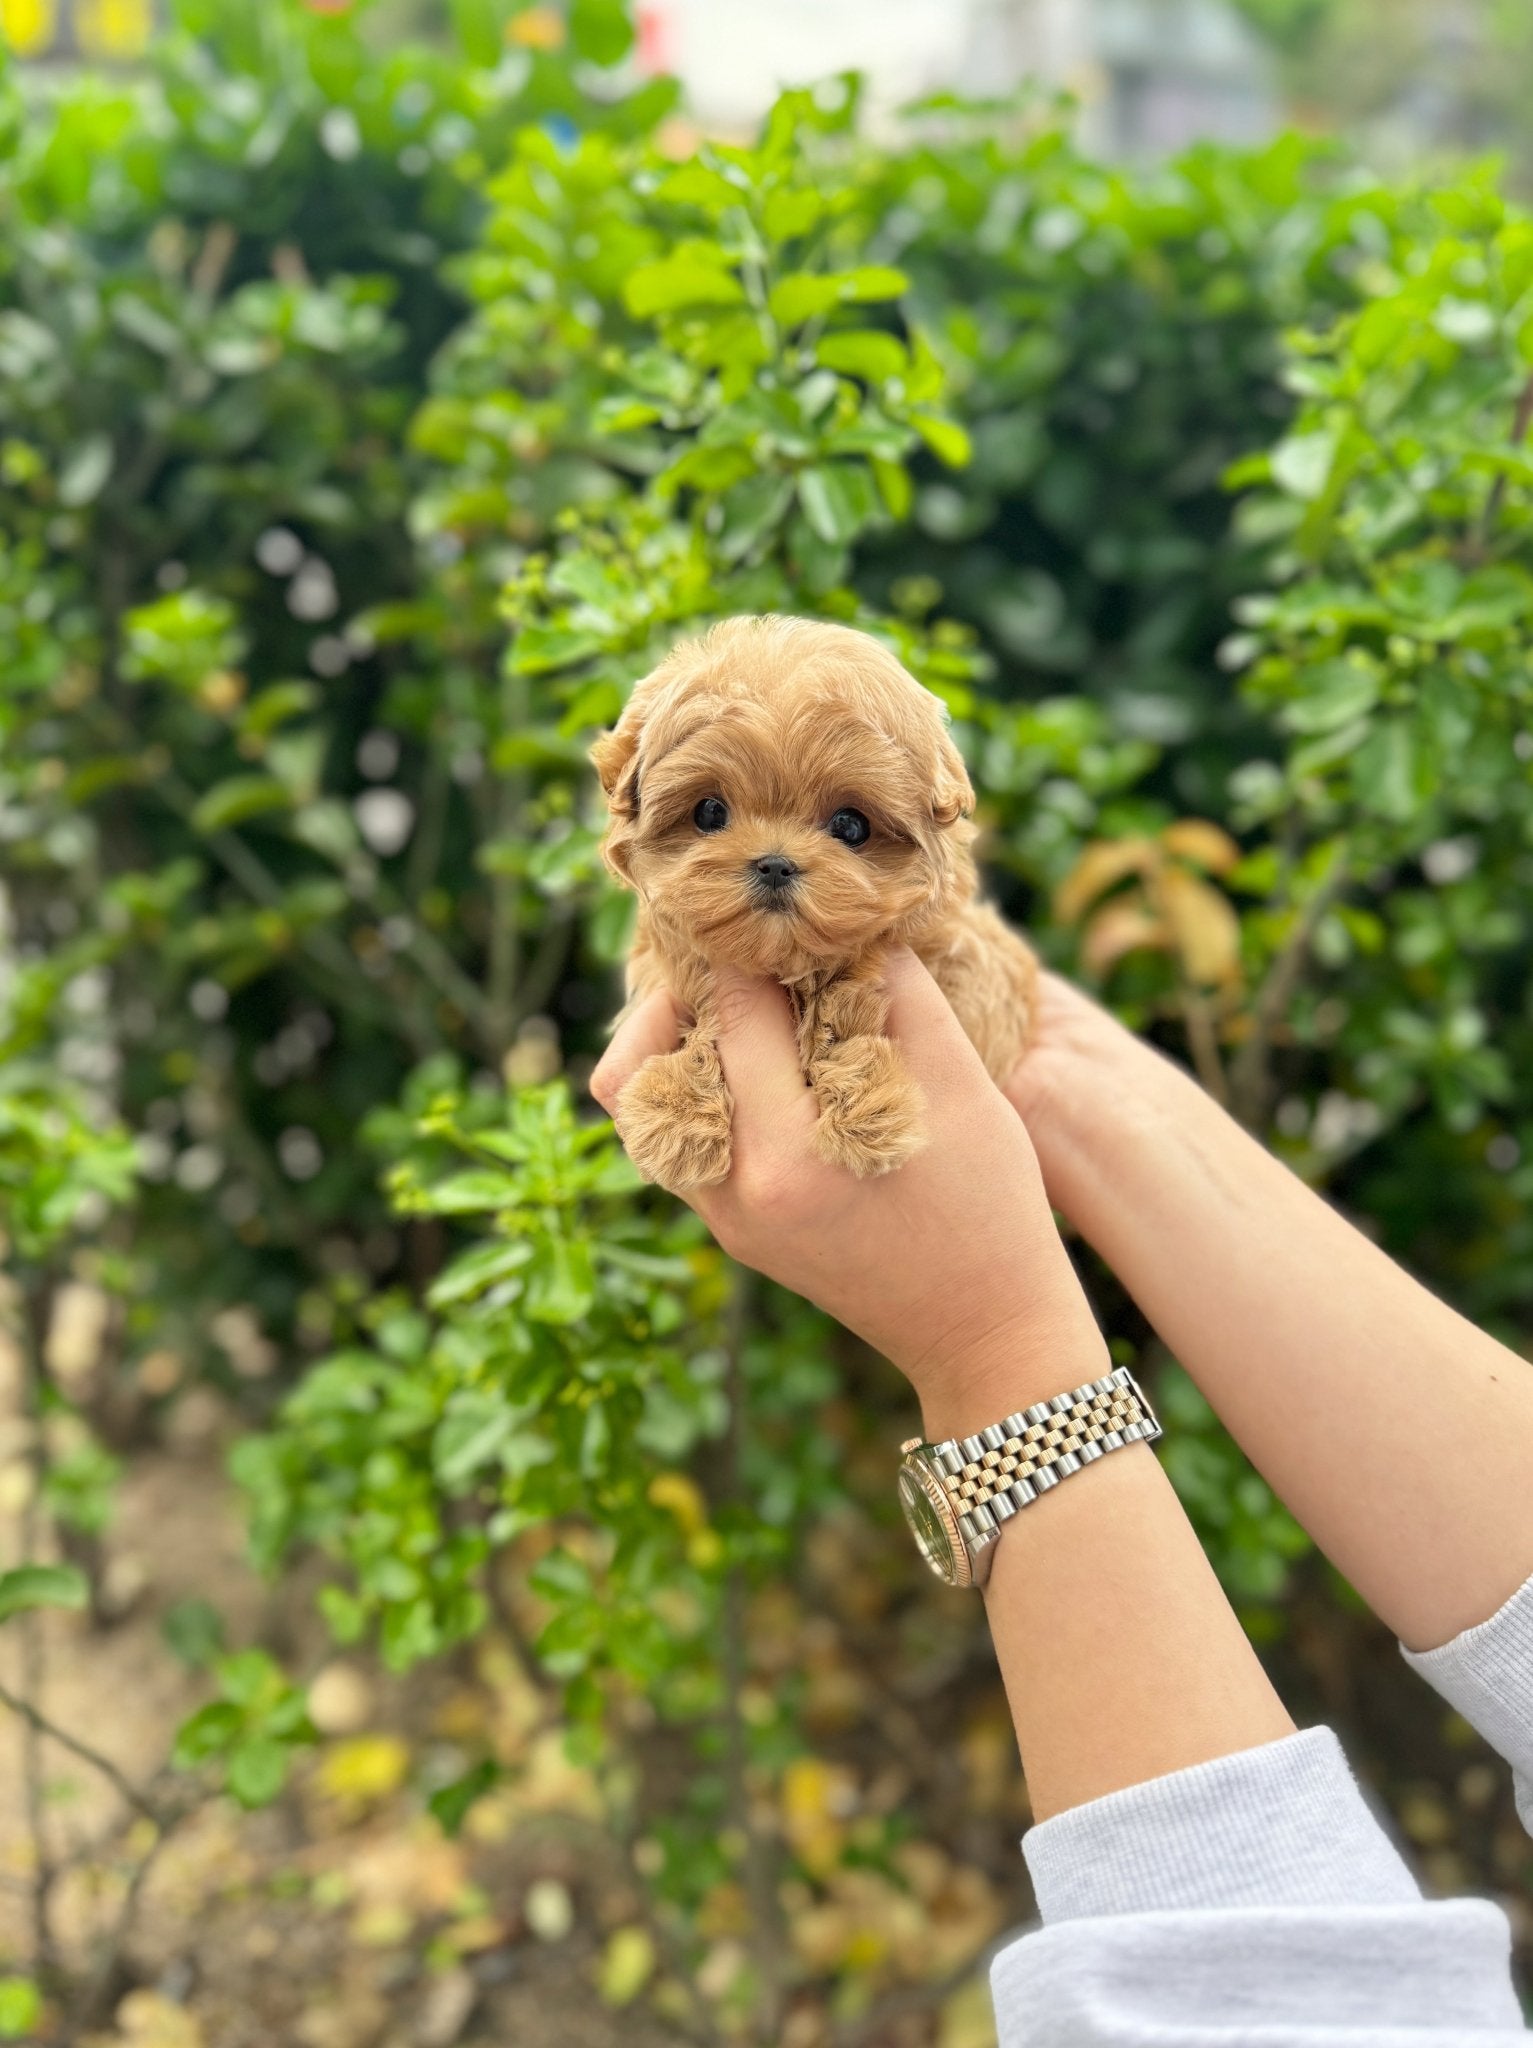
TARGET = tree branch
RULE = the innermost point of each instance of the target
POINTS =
(41, 1725)
(1250, 1071)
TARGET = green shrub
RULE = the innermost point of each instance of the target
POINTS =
(366, 426)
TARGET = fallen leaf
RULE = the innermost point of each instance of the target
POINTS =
(967, 2019)
(363, 1771)
(627, 1964)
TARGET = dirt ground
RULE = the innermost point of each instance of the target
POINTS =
(343, 1918)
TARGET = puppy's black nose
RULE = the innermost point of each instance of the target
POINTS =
(774, 870)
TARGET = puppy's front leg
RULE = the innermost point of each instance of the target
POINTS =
(674, 1116)
(870, 1108)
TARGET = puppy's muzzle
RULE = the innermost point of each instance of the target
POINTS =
(772, 877)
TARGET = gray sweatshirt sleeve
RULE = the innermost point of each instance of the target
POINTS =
(1487, 1673)
(1254, 1902)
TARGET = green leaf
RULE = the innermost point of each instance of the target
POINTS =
(21, 2007)
(561, 1283)
(838, 500)
(1393, 772)
(894, 487)
(804, 295)
(789, 214)
(469, 1194)
(865, 353)
(85, 471)
(239, 798)
(753, 507)
(256, 1770)
(345, 1615)
(948, 441)
(194, 1629)
(450, 1803)
(1301, 464)
(688, 278)
(1335, 692)
(538, 650)
(41, 1585)
(470, 1435)
(601, 30)
(207, 1733)
(477, 24)
(478, 1270)
(250, 1678)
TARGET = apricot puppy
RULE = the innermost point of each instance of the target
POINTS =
(786, 800)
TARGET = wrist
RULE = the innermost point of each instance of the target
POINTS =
(1029, 1355)
(1109, 1093)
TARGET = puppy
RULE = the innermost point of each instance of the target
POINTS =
(785, 799)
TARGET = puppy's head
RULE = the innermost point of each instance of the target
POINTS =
(784, 794)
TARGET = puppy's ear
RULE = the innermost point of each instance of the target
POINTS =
(952, 791)
(615, 757)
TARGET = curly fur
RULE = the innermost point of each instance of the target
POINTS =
(787, 721)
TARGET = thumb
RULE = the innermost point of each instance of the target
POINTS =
(752, 1024)
(935, 1045)
(651, 1027)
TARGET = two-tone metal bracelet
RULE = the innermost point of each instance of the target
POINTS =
(959, 1495)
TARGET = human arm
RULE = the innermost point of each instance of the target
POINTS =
(952, 1267)
(1206, 1875)
(1397, 1433)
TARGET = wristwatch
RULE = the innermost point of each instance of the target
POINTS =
(958, 1496)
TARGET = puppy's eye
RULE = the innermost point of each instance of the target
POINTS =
(711, 815)
(850, 827)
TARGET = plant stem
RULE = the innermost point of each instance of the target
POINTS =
(36, 1308)
(1251, 1070)
(767, 1934)
(505, 949)
(41, 1726)
(1203, 1043)
(1495, 498)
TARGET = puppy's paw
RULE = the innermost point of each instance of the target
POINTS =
(870, 1109)
(673, 1118)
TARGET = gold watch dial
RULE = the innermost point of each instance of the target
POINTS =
(933, 1522)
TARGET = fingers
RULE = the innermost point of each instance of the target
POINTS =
(936, 1049)
(758, 1049)
(652, 1027)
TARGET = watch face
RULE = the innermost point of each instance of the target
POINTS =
(933, 1522)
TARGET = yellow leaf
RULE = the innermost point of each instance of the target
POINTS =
(1204, 928)
(540, 28)
(682, 1497)
(627, 1964)
(1207, 846)
(365, 1769)
(1102, 865)
(968, 2017)
(1117, 929)
(815, 1797)
(28, 26)
(119, 29)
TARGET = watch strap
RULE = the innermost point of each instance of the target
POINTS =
(989, 1476)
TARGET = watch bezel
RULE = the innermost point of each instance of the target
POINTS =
(956, 1567)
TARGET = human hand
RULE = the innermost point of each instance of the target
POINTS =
(1082, 1085)
(951, 1265)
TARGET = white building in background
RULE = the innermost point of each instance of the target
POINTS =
(1151, 75)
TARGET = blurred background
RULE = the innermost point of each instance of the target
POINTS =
(440, 1600)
